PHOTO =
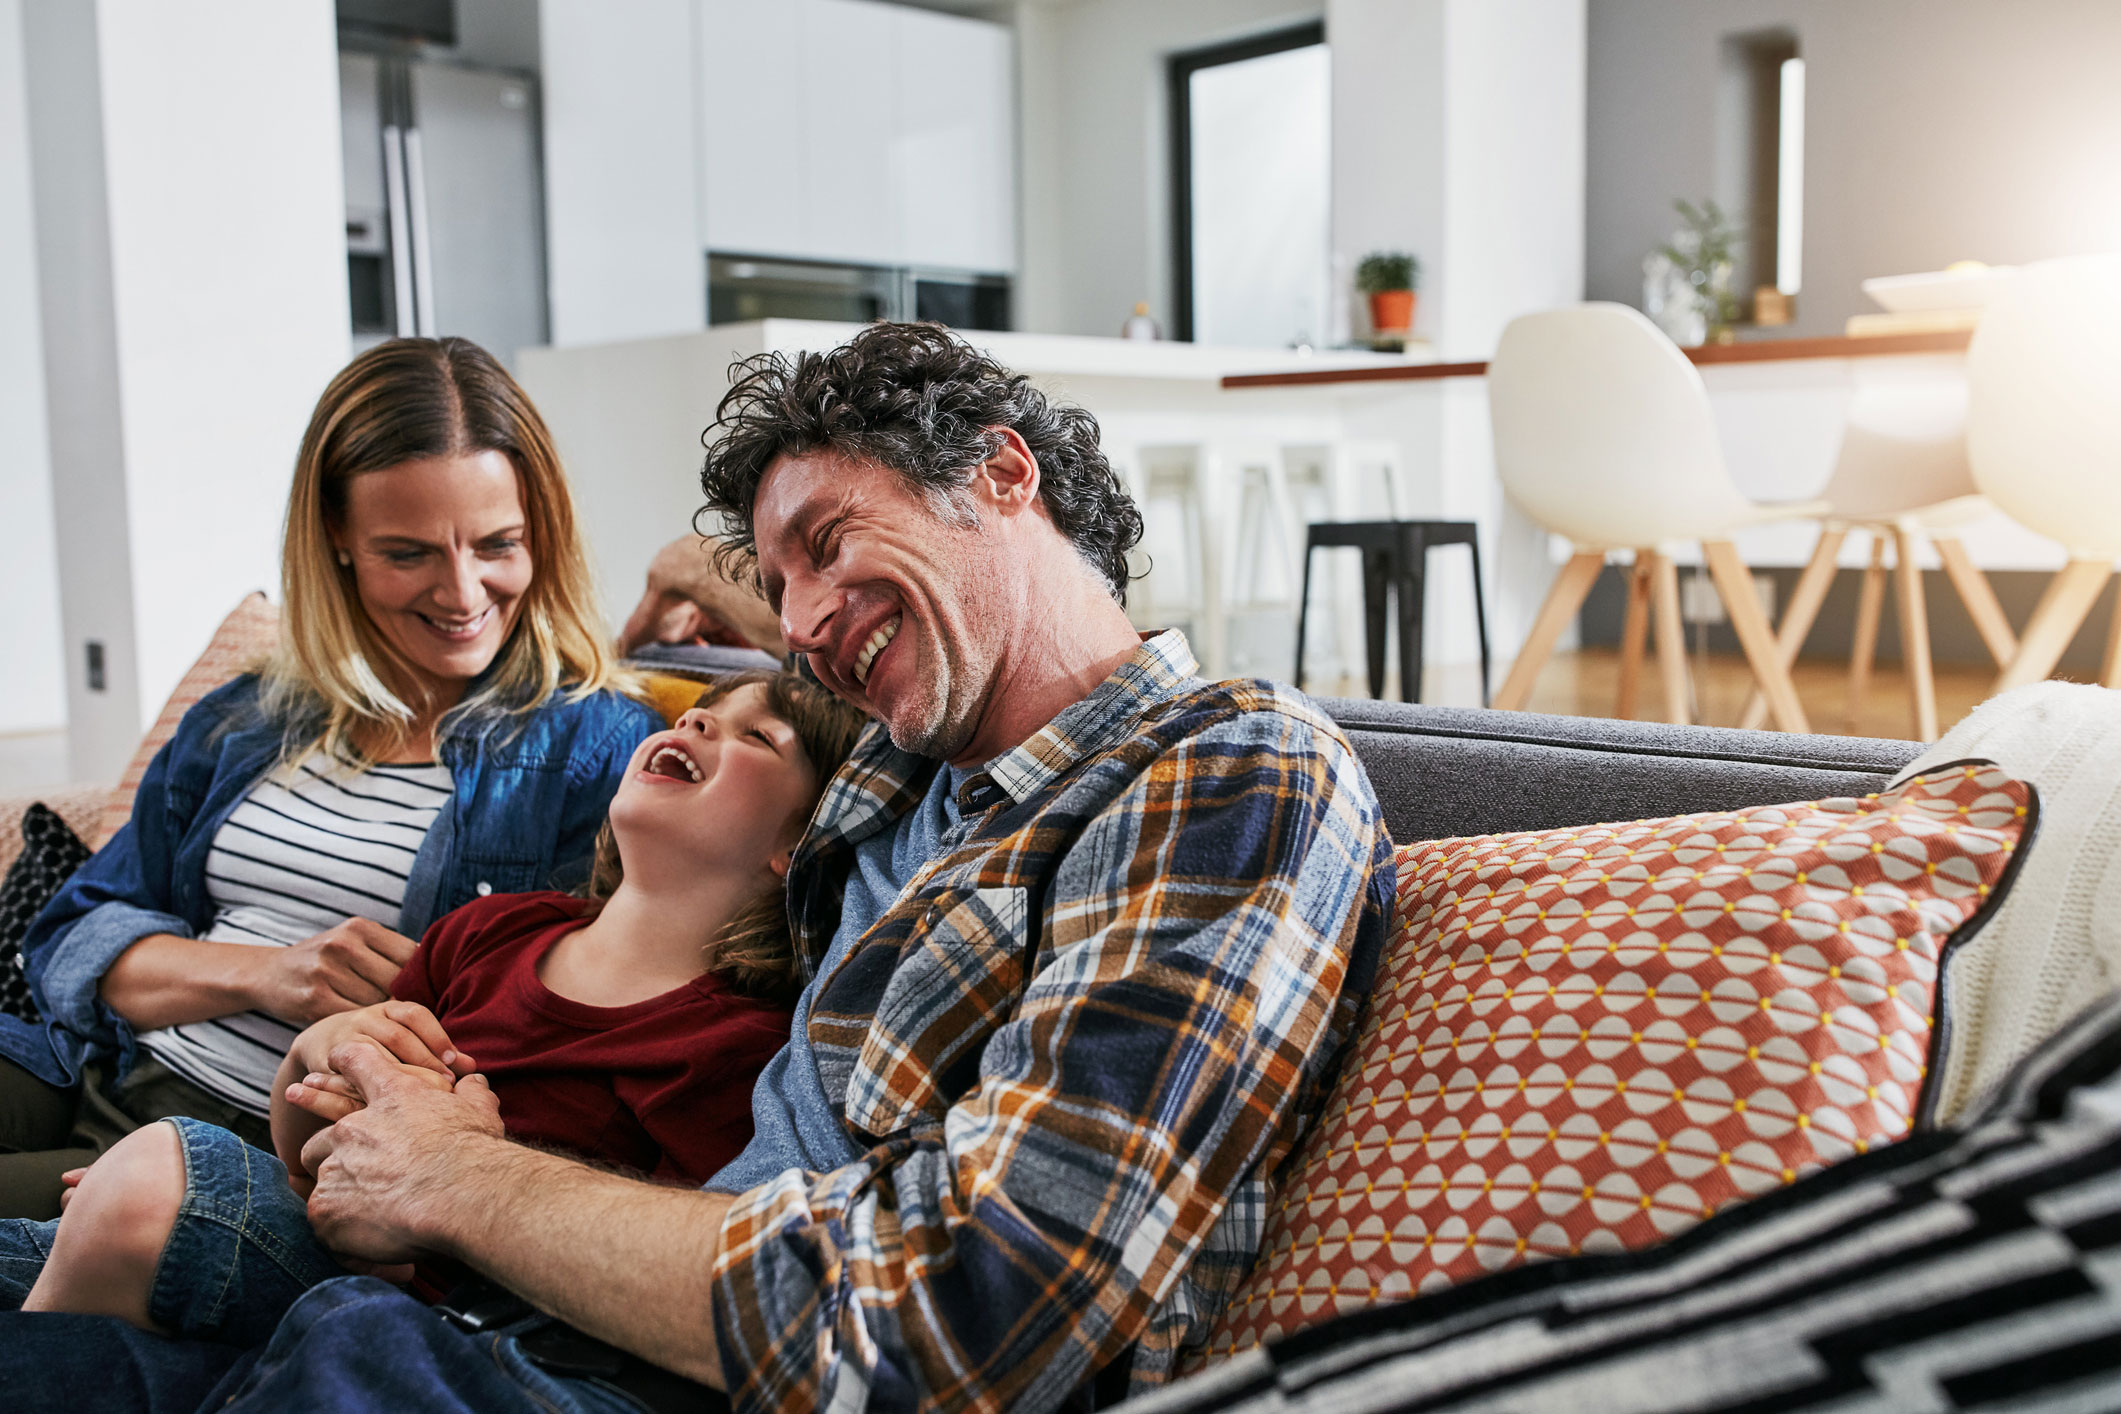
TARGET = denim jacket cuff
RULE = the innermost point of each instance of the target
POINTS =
(71, 979)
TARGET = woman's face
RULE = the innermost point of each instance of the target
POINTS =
(729, 784)
(440, 561)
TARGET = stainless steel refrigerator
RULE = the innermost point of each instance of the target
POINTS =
(445, 214)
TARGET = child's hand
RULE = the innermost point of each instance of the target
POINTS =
(407, 1032)
(331, 1097)
(71, 1180)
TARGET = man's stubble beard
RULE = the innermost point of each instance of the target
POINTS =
(932, 724)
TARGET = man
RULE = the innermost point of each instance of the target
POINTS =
(1087, 935)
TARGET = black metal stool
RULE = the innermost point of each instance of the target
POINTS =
(1395, 556)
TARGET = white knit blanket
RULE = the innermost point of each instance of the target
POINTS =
(2054, 945)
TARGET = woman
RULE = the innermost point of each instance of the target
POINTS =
(627, 1029)
(440, 722)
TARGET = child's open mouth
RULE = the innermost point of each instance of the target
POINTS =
(670, 761)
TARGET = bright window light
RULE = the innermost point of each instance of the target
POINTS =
(1789, 182)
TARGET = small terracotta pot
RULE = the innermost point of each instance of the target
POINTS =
(1392, 310)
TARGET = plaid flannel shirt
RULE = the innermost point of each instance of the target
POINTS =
(1074, 1050)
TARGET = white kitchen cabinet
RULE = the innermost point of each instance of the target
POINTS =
(850, 111)
(750, 59)
(954, 160)
(847, 130)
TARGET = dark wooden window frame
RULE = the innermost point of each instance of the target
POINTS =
(1180, 69)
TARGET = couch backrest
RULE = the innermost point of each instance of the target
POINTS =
(1442, 771)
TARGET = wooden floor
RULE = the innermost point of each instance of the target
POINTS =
(1586, 684)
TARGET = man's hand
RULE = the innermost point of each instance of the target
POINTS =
(687, 598)
(390, 1174)
(339, 969)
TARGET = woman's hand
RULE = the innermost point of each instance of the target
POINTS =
(336, 971)
(164, 980)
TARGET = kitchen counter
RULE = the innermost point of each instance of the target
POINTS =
(1748, 351)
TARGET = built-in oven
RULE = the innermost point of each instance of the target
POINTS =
(741, 288)
(960, 301)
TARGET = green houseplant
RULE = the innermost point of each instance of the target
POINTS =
(1389, 278)
(1703, 252)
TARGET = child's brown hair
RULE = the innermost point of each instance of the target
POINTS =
(755, 950)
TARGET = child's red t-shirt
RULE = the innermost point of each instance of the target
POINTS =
(662, 1087)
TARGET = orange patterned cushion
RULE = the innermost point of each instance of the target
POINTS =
(240, 644)
(1590, 1039)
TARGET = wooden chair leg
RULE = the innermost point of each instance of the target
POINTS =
(1979, 596)
(1562, 602)
(1734, 582)
(2055, 621)
(2110, 665)
(1633, 631)
(1863, 653)
(1915, 635)
(1670, 632)
(1802, 613)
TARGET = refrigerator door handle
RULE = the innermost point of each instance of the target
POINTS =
(423, 264)
(401, 253)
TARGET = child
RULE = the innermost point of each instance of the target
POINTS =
(627, 1028)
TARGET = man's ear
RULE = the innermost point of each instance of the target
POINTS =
(780, 861)
(1009, 480)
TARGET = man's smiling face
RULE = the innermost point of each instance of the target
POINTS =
(899, 612)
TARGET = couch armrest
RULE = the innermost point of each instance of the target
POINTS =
(80, 806)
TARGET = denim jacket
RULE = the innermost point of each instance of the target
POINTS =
(528, 802)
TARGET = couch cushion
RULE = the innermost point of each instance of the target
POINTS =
(1459, 771)
(50, 853)
(2056, 941)
(1592, 1038)
(240, 644)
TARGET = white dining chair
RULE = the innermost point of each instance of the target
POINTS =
(2043, 434)
(1603, 435)
(1902, 478)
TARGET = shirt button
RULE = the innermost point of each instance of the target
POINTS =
(484, 888)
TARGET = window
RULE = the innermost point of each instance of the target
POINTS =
(1252, 147)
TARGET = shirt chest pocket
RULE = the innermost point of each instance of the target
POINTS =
(958, 978)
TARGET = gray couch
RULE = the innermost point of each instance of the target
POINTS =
(1442, 771)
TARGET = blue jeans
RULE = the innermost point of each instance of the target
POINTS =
(270, 1320)
(240, 1253)
(351, 1344)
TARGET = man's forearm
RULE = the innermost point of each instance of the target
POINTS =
(686, 568)
(629, 1262)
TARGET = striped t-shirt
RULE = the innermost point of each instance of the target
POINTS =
(312, 845)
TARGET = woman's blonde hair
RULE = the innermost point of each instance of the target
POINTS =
(334, 678)
(755, 950)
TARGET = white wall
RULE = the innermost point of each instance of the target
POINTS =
(624, 256)
(33, 686)
(1936, 130)
(192, 264)
(1096, 149)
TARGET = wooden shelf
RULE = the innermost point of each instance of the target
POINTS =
(1756, 351)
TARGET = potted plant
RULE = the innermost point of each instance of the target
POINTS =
(1389, 278)
(1687, 280)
